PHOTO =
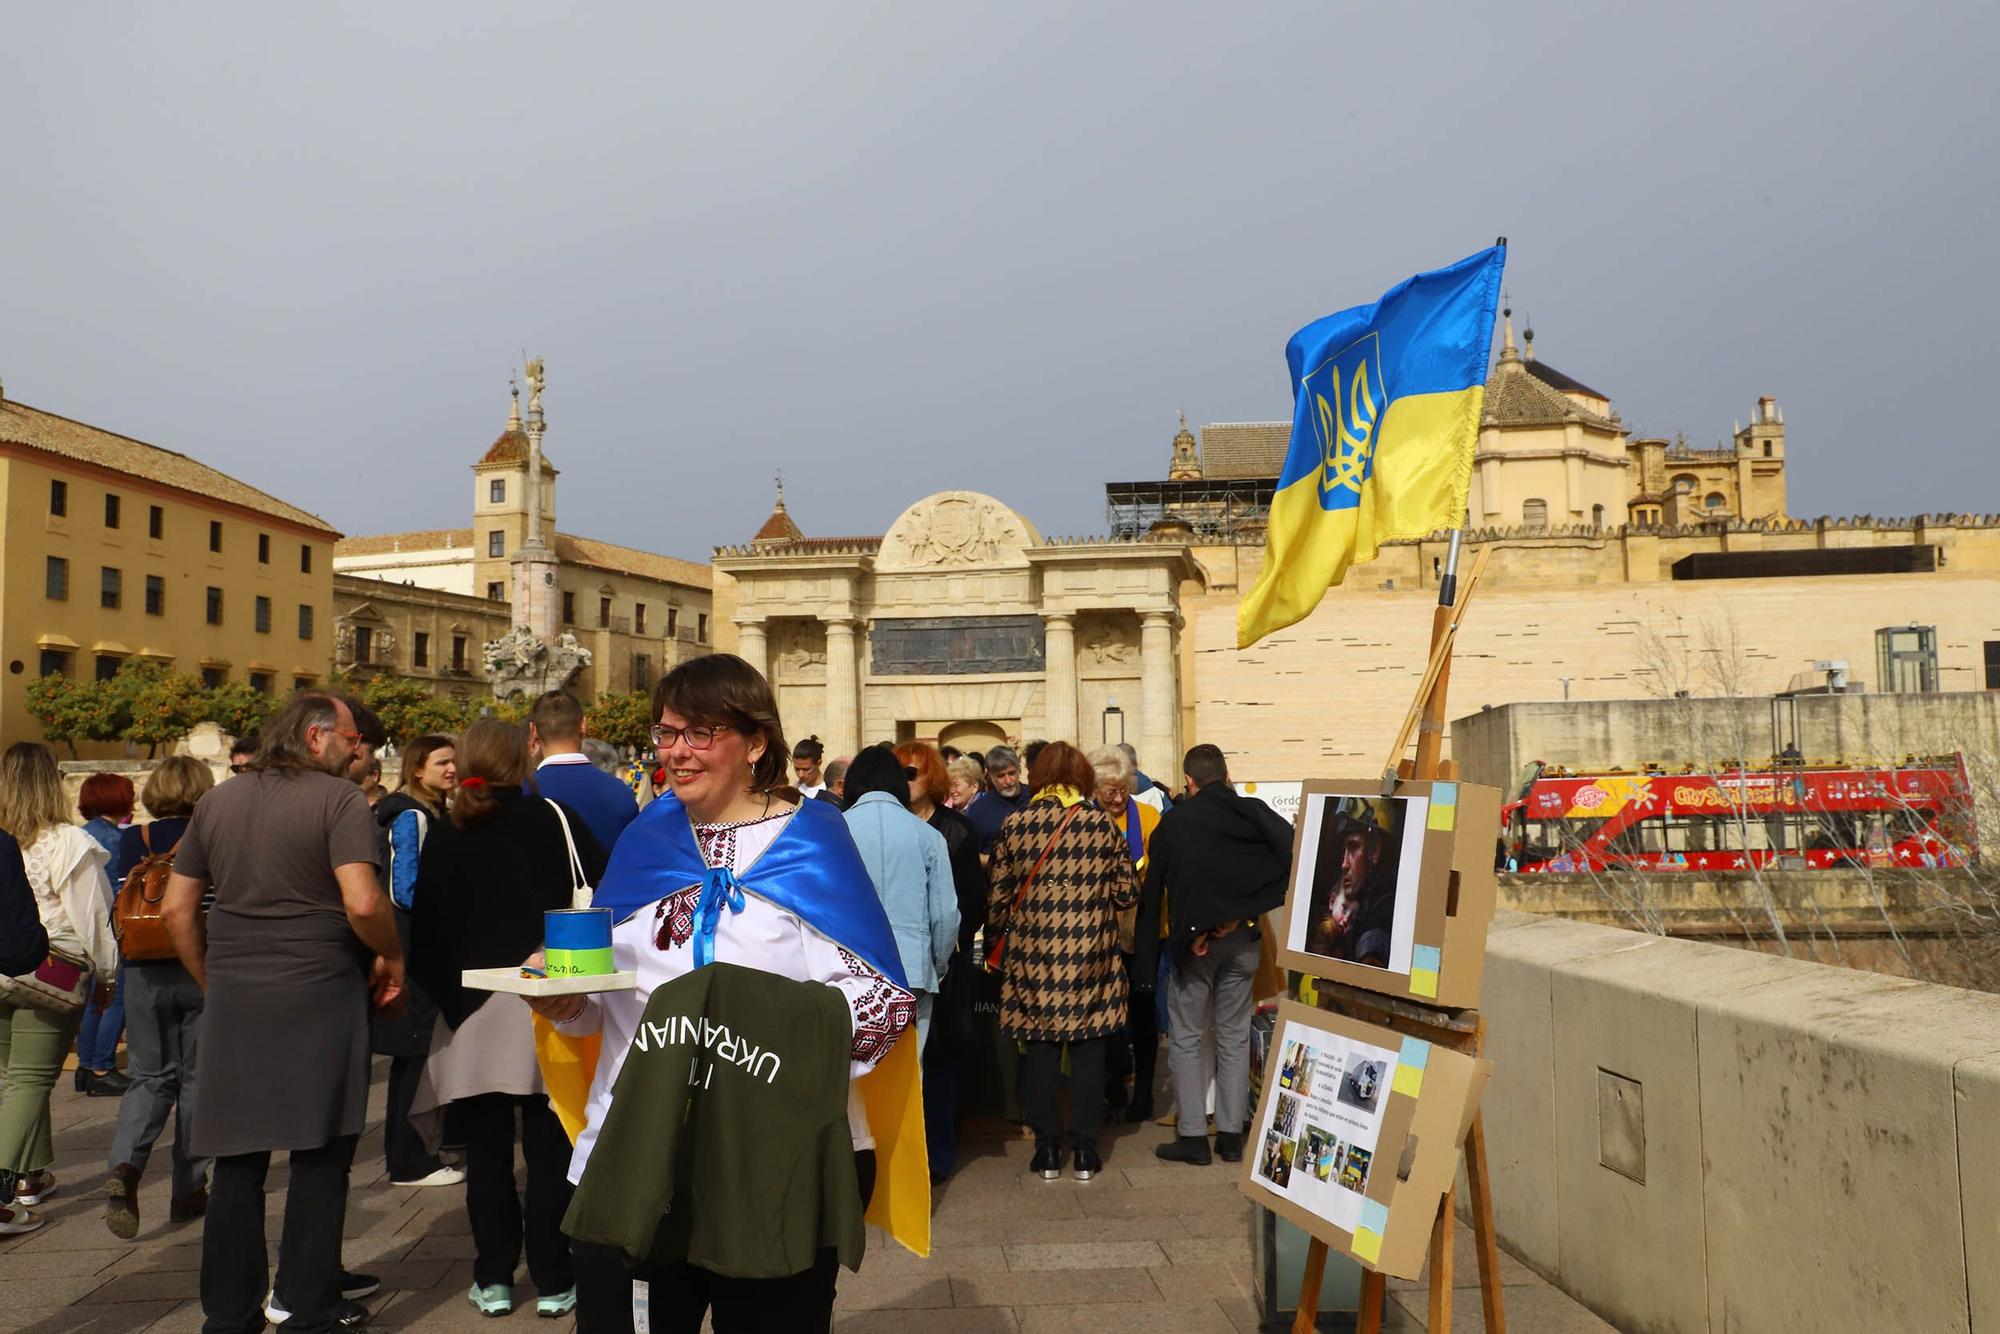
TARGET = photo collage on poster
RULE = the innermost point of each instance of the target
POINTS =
(1316, 1144)
(1359, 864)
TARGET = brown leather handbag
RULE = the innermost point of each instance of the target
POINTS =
(135, 918)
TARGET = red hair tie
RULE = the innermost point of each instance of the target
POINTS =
(474, 781)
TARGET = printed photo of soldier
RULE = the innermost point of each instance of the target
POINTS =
(1352, 908)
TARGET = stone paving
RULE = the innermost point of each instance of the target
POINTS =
(1146, 1246)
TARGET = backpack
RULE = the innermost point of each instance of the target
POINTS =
(135, 917)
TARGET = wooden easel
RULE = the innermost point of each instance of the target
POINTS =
(1457, 1030)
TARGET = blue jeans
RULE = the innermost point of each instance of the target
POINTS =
(97, 1040)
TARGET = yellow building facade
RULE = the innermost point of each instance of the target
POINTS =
(115, 549)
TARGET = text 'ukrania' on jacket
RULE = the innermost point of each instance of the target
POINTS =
(726, 1144)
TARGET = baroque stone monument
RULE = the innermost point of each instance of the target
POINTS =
(532, 657)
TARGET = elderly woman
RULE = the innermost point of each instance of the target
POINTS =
(163, 1008)
(963, 778)
(1135, 821)
(1062, 874)
(65, 869)
(730, 865)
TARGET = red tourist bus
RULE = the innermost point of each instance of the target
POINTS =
(1915, 814)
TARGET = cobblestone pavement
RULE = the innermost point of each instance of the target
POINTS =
(1146, 1246)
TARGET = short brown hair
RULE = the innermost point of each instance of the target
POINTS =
(1060, 764)
(557, 715)
(929, 764)
(173, 788)
(108, 795)
(720, 688)
(492, 754)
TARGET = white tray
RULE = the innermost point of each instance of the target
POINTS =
(510, 979)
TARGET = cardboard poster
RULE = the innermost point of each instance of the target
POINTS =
(1393, 893)
(1357, 1132)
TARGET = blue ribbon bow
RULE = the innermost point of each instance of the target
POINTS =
(718, 887)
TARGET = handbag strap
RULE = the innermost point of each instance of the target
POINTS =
(146, 838)
(1036, 869)
(579, 889)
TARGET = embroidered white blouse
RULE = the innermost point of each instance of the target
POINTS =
(657, 943)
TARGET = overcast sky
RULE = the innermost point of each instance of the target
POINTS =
(893, 249)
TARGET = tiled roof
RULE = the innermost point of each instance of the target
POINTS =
(778, 528)
(23, 425)
(511, 447)
(629, 560)
(1231, 450)
(383, 544)
(1517, 399)
(1549, 375)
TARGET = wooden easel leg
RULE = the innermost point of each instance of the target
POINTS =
(1440, 1294)
(1483, 1239)
(1307, 1316)
(1374, 1295)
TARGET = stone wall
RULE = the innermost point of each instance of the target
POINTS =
(1324, 698)
(1937, 925)
(1798, 1147)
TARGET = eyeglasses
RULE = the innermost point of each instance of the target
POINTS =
(240, 768)
(700, 737)
(355, 737)
(910, 771)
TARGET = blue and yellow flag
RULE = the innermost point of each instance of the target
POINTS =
(1387, 400)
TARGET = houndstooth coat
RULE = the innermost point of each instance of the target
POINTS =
(1061, 977)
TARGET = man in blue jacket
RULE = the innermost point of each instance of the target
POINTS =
(564, 773)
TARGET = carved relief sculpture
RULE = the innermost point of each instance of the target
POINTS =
(956, 528)
(803, 655)
(1108, 645)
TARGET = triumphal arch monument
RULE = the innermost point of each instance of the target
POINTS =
(962, 625)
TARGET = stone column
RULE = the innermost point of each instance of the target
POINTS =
(750, 643)
(843, 689)
(1059, 681)
(1157, 705)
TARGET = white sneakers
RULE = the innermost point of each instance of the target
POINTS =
(444, 1176)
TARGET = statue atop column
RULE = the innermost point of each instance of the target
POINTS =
(532, 656)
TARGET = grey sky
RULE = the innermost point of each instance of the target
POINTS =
(892, 249)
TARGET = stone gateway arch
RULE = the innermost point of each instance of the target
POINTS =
(963, 625)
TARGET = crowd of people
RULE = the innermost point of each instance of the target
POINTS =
(317, 920)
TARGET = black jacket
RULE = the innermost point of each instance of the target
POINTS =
(24, 941)
(1220, 857)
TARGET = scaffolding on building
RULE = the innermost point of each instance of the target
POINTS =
(1219, 510)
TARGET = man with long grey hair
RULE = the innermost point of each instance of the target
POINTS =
(289, 850)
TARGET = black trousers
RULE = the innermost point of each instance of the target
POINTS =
(402, 1147)
(1144, 1023)
(1041, 1088)
(498, 1222)
(233, 1257)
(678, 1297)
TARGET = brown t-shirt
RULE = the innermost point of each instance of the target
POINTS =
(268, 842)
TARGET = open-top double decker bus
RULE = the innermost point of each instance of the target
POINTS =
(1918, 813)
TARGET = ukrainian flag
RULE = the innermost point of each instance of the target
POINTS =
(1388, 398)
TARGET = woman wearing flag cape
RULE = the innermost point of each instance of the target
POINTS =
(727, 865)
